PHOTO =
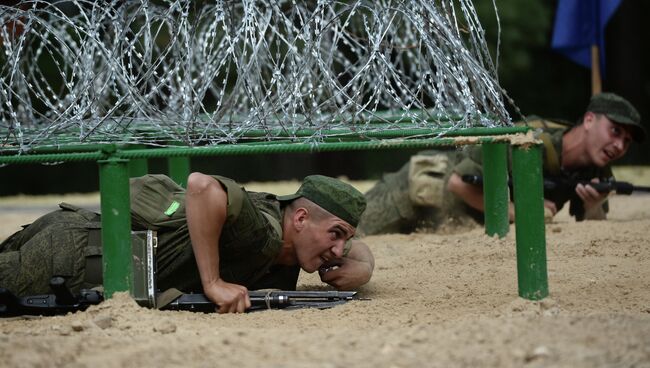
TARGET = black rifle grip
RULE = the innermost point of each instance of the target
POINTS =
(63, 295)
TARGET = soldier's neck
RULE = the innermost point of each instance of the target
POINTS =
(574, 153)
(287, 255)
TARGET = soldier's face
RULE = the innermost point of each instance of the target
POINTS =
(321, 242)
(606, 140)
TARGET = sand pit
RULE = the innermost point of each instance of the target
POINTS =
(436, 301)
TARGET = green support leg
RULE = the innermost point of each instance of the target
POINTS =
(496, 199)
(116, 225)
(179, 169)
(529, 222)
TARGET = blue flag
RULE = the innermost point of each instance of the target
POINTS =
(580, 24)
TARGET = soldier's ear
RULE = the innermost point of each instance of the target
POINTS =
(300, 216)
(589, 120)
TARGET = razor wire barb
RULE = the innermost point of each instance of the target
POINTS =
(212, 72)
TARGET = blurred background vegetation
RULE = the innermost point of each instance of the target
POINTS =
(539, 80)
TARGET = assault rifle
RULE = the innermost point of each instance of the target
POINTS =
(554, 184)
(62, 301)
(261, 300)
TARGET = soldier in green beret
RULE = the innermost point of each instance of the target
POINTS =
(428, 192)
(316, 225)
(215, 238)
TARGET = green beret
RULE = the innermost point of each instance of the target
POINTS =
(618, 110)
(336, 197)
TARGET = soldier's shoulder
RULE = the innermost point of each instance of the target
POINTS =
(539, 122)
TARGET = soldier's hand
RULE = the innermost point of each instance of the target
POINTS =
(345, 273)
(592, 201)
(229, 298)
(590, 196)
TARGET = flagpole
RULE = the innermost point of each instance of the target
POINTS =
(596, 83)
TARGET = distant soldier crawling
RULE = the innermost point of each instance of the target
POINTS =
(216, 238)
(416, 196)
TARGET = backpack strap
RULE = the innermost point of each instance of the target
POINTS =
(540, 123)
(274, 223)
(552, 162)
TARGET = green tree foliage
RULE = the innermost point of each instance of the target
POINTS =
(525, 26)
(537, 78)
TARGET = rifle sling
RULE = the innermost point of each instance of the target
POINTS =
(166, 297)
(552, 162)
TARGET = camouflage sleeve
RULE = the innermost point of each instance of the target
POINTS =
(235, 197)
(246, 227)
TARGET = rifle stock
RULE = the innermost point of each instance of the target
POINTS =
(61, 302)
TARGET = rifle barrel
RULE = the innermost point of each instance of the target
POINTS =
(620, 187)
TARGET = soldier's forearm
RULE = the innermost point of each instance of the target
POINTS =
(361, 252)
(471, 194)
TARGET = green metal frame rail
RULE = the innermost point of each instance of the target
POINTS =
(117, 162)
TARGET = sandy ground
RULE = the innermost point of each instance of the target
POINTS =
(436, 301)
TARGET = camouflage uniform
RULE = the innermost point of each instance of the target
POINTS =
(55, 244)
(64, 241)
(415, 197)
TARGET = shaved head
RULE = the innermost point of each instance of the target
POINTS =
(316, 212)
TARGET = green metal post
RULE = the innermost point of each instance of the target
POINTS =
(496, 199)
(529, 222)
(179, 169)
(116, 224)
